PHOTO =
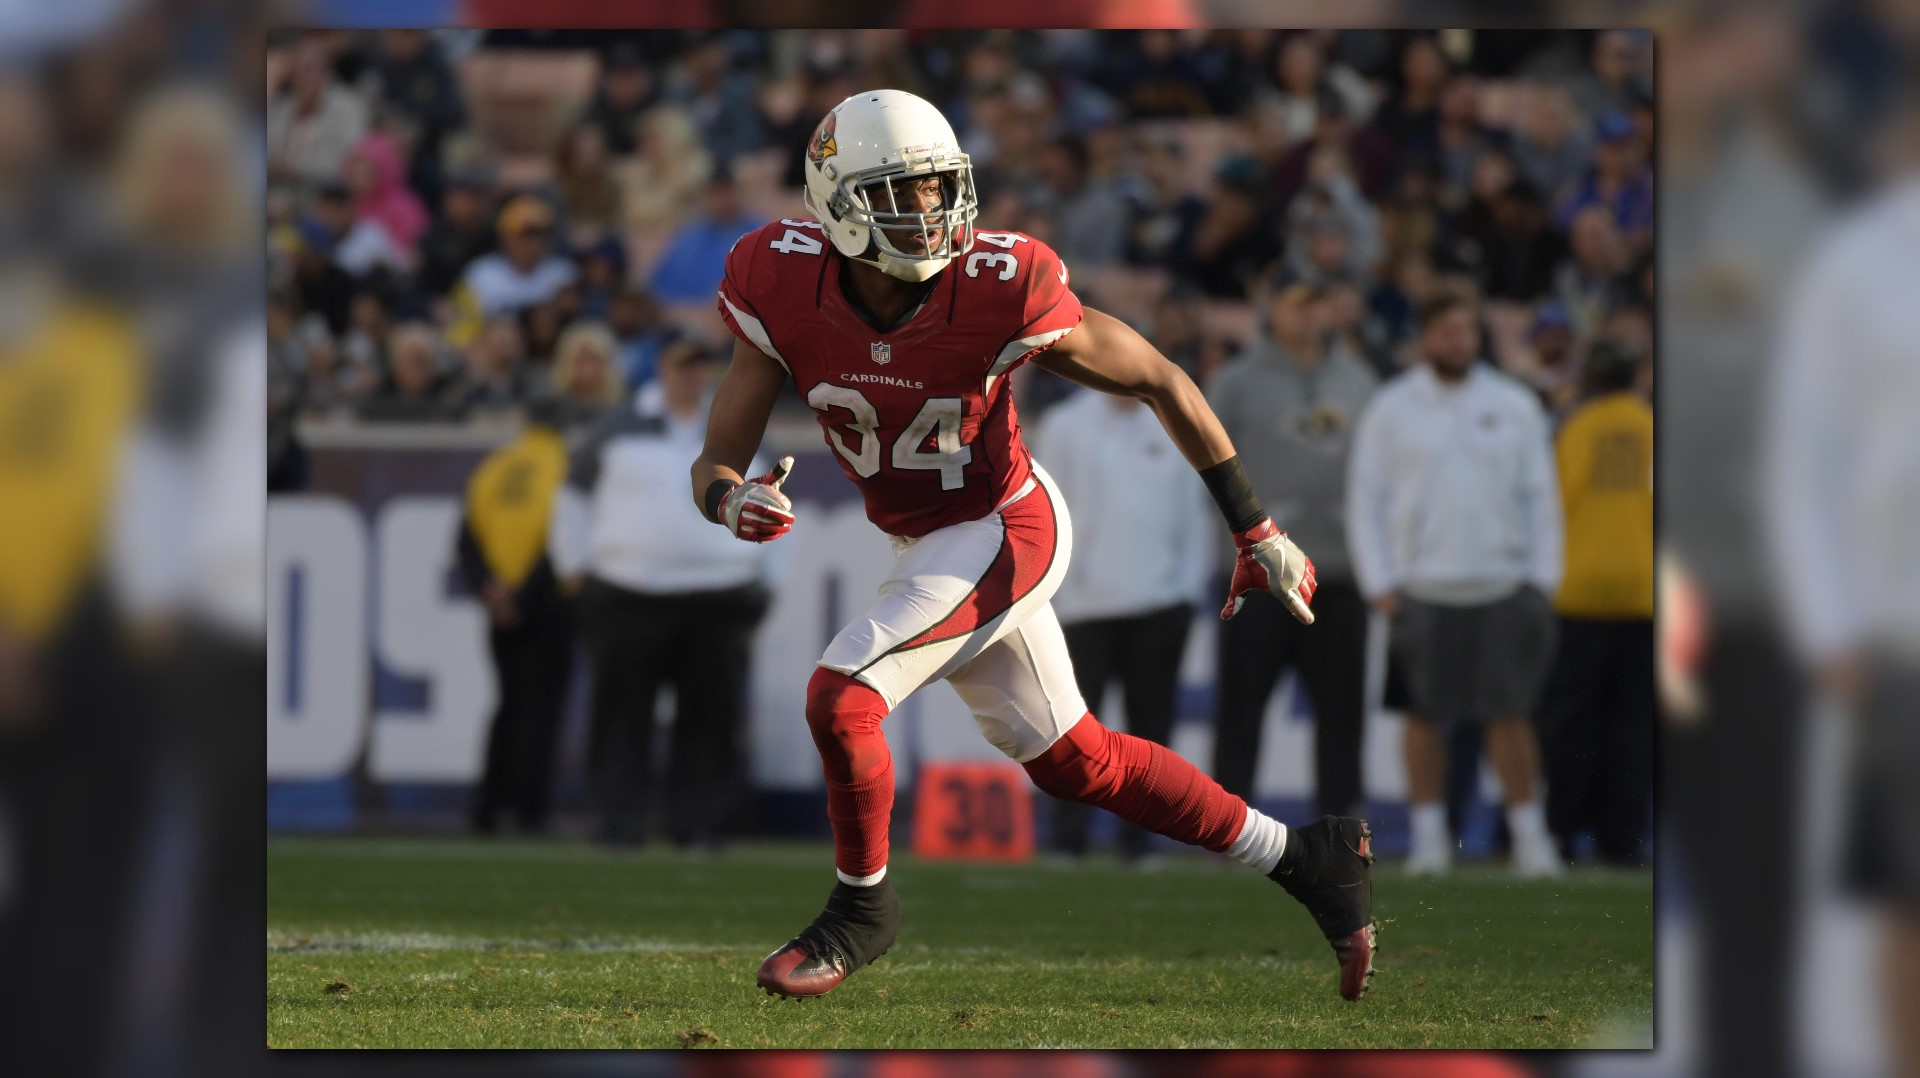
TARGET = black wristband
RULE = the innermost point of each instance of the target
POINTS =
(1227, 482)
(717, 492)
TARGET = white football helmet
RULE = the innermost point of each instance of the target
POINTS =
(866, 143)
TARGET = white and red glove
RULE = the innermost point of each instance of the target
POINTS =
(756, 510)
(1266, 560)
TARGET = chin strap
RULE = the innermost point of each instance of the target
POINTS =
(916, 269)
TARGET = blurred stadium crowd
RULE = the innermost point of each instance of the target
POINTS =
(443, 206)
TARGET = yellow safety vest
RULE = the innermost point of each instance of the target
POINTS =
(68, 396)
(510, 498)
(1606, 490)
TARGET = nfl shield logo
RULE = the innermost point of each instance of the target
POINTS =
(881, 352)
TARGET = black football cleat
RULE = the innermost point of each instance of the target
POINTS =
(858, 926)
(1332, 877)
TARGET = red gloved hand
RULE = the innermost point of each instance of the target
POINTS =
(1269, 561)
(756, 510)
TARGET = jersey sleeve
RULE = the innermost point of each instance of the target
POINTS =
(742, 292)
(1049, 308)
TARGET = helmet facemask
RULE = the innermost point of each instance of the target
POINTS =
(867, 198)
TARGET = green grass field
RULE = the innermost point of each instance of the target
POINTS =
(457, 943)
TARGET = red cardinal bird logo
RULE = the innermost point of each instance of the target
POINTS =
(822, 146)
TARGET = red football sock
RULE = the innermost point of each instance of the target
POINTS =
(845, 718)
(1140, 782)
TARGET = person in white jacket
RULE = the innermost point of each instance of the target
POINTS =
(1453, 516)
(663, 598)
(1841, 471)
(1128, 598)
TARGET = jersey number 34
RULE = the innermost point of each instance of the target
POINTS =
(938, 418)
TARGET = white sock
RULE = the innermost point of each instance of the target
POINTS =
(1430, 827)
(1262, 838)
(862, 881)
(1528, 822)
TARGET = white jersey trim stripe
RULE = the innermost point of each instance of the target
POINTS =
(755, 332)
(1015, 349)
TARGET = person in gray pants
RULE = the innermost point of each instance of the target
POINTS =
(1291, 407)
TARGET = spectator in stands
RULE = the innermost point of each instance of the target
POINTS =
(411, 392)
(1504, 238)
(377, 180)
(720, 100)
(1354, 333)
(1290, 409)
(588, 191)
(413, 78)
(1621, 73)
(671, 171)
(1333, 231)
(1128, 598)
(319, 285)
(1410, 117)
(1469, 230)
(603, 276)
(461, 233)
(1631, 322)
(541, 326)
(368, 330)
(1590, 284)
(502, 556)
(313, 126)
(1520, 247)
(1084, 211)
(1410, 223)
(525, 270)
(1555, 374)
(1552, 151)
(690, 270)
(1235, 67)
(1369, 156)
(1460, 138)
(642, 334)
(1166, 213)
(359, 246)
(1320, 247)
(626, 91)
(667, 599)
(328, 383)
(1395, 299)
(1597, 714)
(1620, 180)
(585, 377)
(1299, 68)
(1154, 76)
(493, 374)
(1453, 520)
(1239, 238)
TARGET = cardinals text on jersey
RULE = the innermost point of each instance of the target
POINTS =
(920, 416)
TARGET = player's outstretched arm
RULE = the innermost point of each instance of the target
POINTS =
(752, 509)
(1105, 353)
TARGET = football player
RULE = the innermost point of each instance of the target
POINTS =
(898, 321)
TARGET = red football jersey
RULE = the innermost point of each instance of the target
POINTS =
(920, 416)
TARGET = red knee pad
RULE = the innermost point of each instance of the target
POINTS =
(845, 718)
(1078, 765)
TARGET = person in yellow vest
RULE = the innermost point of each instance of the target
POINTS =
(1597, 714)
(503, 557)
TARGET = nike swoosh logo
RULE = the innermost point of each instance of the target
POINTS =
(1063, 273)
